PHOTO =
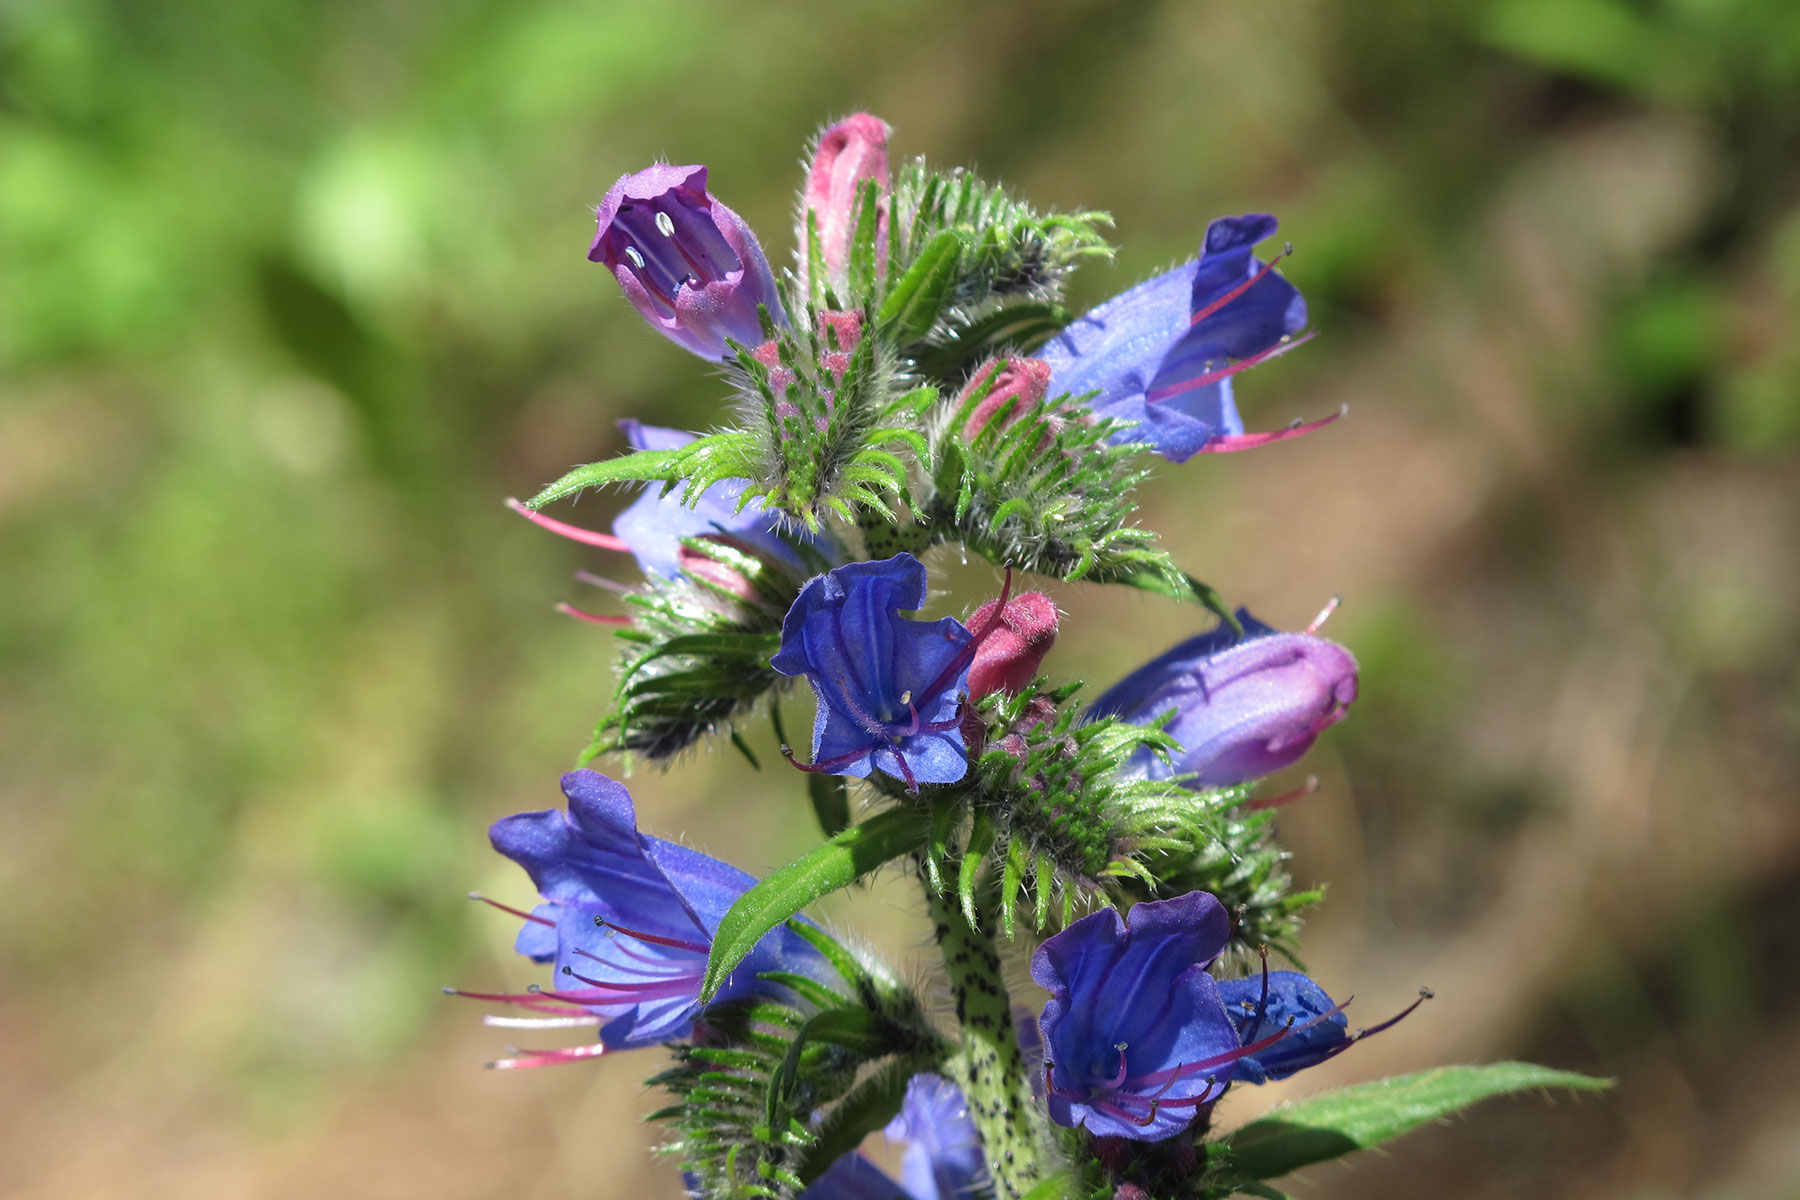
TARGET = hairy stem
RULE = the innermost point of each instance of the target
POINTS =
(988, 1067)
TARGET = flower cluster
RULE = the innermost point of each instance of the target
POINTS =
(913, 382)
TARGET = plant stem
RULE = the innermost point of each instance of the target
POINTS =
(988, 1067)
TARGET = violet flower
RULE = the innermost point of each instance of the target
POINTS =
(688, 264)
(889, 688)
(1243, 707)
(1136, 1039)
(628, 921)
(1163, 353)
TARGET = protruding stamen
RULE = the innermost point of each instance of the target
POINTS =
(507, 908)
(652, 938)
(1230, 443)
(1306, 789)
(587, 537)
(1207, 378)
(611, 621)
(1241, 288)
(824, 766)
(523, 1059)
(539, 1022)
(1318, 622)
(603, 583)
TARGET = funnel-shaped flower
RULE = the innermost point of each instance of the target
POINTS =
(889, 688)
(628, 921)
(850, 152)
(1243, 707)
(1136, 1040)
(687, 263)
(1163, 353)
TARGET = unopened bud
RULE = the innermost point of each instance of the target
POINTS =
(1011, 640)
(849, 152)
(1008, 389)
(1242, 707)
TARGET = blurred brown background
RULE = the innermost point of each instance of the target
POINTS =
(293, 293)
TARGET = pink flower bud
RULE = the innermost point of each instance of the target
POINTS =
(849, 152)
(1010, 642)
(1014, 386)
(848, 329)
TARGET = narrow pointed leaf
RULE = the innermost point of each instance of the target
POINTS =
(639, 467)
(917, 297)
(836, 864)
(1368, 1114)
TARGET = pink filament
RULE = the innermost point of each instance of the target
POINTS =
(1226, 372)
(574, 533)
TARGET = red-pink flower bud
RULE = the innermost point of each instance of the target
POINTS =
(1009, 388)
(1010, 642)
(847, 327)
(849, 152)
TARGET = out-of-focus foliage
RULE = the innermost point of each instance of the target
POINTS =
(291, 294)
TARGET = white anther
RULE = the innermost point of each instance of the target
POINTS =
(637, 260)
(666, 223)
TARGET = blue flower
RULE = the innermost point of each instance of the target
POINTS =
(1163, 353)
(889, 689)
(628, 922)
(1287, 1023)
(1243, 707)
(1264, 1004)
(689, 265)
(1136, 1040)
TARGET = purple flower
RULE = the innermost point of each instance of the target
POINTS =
(1136, 1040)
(687, 263)
(1243, 707)
(1163, 353)
(627, 920)
(650, 529)
(889, 688)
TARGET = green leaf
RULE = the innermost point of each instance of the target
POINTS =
(1356, 1118)
(917, 297)
(641, 466)
(837, 863)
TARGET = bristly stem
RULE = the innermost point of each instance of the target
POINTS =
(988, 1067)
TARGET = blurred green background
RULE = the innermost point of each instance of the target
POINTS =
(293, 293)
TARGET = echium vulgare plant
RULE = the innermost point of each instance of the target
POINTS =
(913, 380)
